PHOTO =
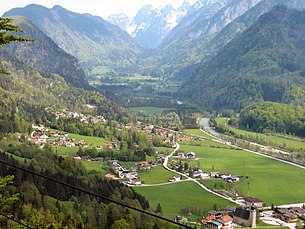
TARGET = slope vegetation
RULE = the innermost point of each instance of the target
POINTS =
(263, 63)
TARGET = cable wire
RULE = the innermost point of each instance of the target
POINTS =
(16, 221)
(96, 195)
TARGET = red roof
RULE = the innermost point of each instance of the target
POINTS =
(226, 219)
(210, 217)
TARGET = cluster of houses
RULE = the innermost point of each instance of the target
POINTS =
(245, 216)
(152, 132)
(128, 176)
(291, 214)
(42, 135)
(77, 115)
(188, 156)
(186, 138)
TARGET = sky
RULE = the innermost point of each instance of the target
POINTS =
(101, 8)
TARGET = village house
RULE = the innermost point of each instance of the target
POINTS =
(185, 139)
(148, 129)
(214, 174)
(290, 215)
(221, 222)
(111, 176)
(175, 178)
(191, 155)
(144, 165)
(250, 201)
(181, 155)
(111, 145)
(128, 126)
(135, 181)
(232, 179)
(128, 174)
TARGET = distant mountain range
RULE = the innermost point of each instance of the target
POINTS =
(150, 25)
(198, 44)
(265, 62)
(188, 43)
(94, 41)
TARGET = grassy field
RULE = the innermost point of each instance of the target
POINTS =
(270, 180)
(17, 158)
(93, 141)
(196, 132)
(278, 140)
(94, 165)
(150, 110)
(174, 197)
(61, 151)
(164, 149)
(155, 175)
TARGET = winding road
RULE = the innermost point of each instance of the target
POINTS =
(191, 179)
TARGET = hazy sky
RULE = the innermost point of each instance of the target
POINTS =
(101, 8)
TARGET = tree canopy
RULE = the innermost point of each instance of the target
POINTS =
(7, 36)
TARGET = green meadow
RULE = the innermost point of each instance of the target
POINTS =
(150, 110)
(62, 150)
(93, 141)
(94, 166)
(155, 175)
(281, 141)
(272, 181)
(174, 197)
(197, 132)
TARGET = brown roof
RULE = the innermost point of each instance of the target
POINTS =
(241, 213)
(253, 200)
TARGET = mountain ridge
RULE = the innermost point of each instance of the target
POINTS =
(94, 41)
(254, 66)
(151, 25)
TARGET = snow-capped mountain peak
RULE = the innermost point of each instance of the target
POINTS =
(151, 25)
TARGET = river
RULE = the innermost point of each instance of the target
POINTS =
(205, 123)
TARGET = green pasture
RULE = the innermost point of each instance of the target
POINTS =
(174, 197)
(278, 140)
(150, 110)
(93, 141)
(61, 150)
(270, 180)
(164, 149)
(196, 132)
(155, 175)
(94, 166)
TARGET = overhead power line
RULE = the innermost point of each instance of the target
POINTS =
(16, 221)
(96, 195)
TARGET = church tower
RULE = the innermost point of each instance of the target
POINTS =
(252, 217)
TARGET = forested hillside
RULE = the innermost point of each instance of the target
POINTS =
(43, 203)
(45, 55)
(264, 63)
(27, 92)
(271, 116)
